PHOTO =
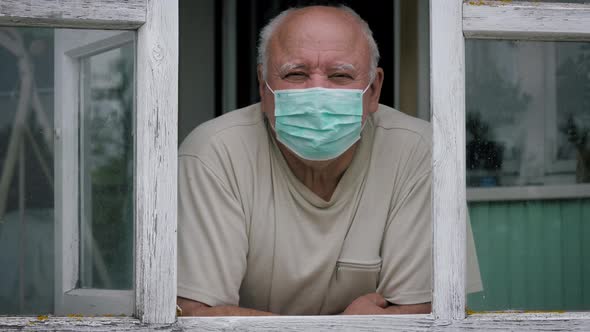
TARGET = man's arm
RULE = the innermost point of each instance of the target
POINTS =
(212, 237)
(370, 304)
(196, 308)
(375, 304)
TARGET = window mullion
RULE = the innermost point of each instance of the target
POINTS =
(156, 163)
(448, 184)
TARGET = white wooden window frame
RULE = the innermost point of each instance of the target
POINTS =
(156, 23)
(156, 165)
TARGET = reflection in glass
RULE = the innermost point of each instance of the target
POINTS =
(528, 131)
(528, 113)
(26, 171)
(533, 254)
(106, 169)
(27, 159)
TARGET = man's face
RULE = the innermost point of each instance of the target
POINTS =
(319, 47)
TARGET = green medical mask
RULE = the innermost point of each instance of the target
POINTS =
(318, 123)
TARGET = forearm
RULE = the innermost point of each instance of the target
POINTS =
(225, 311)
(375, 304)
(195, 308)
(408, 309)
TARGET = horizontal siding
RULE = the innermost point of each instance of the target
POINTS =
(533, 255)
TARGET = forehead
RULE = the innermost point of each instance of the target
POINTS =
(319, 35)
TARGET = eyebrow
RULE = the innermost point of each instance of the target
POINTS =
(291, 66)
(345, 66)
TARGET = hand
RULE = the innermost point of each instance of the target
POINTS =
(190, 307)
(369, 304)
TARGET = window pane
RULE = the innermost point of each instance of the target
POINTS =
(28, 166)
(106, 172)
(26, 171)
(528, 113)
(528, 127)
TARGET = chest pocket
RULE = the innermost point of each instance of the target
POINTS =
(351, 279)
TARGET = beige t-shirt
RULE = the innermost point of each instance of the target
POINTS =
(251, 234)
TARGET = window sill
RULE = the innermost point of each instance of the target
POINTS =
(571, 321)
(305, 323)
(72, 322)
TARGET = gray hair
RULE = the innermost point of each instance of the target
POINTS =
(268, 30)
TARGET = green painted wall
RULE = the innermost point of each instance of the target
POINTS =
(533, 255)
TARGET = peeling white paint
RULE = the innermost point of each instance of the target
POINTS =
(156, 164)
(526, 20)
(111, 14)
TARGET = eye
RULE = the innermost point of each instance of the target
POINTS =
(341, 76)
(295, 76)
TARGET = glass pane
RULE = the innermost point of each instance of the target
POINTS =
(106, 170)
(528, 128)
(26, 171)
(28, 159)
(528, 113)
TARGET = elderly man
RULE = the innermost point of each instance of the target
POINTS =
(316, 200)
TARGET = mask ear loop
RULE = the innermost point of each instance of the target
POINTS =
(273, 92)
(366, 119)
(364, 123)
(268, 86)
(365, 90)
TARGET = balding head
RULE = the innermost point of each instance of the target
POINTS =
(318, 46)
(334, 22)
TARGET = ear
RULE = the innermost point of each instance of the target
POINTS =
(374, 91)
(261, 82)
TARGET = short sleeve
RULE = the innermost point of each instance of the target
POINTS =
(212, 237)
(406, 273)
(473, 277)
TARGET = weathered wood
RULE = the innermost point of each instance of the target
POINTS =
(480, 322)
(104, 14)
(156, 166)
(526, 20)
(573, 321)
(45, 323)
(483, 322)
(447, 88)
(311, 323)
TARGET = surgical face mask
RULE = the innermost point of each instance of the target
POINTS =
(318, 123)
